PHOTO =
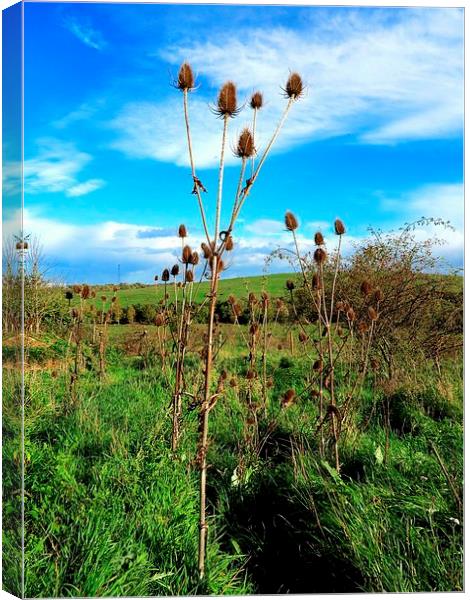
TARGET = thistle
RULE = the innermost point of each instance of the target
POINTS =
(319, 256)
(339, 227)
(182, 233)
(294, 86)
(246, 145)
(256, 101)
(319, 240)
(227, 100)
(185, 81)
(290, 221)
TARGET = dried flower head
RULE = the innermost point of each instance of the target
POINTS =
(175, 269)
(250, 374)
(103, 298)
(290, 285)
(194, 258)
(185, 80)
(340, 229)
(319, 240)
(206, 251)
(318, 365)
(374, 363)
(229, 243)
(227, 100)
(319, 256)
(159, 320)
(85, 291)
(256, 101)
(189, 276)
(68, 295)
(363, 327)
(350, 314)
(316, 282)
(303, 337)
(155, 278)
(254, 328)
(279, 304)
(288, 398)
(246, 145)
(166, 275)
(187, 255)
(182, 232)
(294, 86)
(231, 299)
(77, 289)
(252, 301)
(233, 382)
(291, 221)
(366, 288)
(373, 316)
(379, 295)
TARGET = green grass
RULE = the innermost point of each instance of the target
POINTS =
(110, 512)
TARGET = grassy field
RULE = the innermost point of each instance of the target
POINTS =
(111, 511)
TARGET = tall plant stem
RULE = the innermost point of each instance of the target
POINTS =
(204, 417)
(193, 169)
(255, 112)
(218, 206)
(333, 287)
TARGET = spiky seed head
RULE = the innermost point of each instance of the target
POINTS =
(254, 328)
(74, 313)
(279, 303)
(175, 269)
(159, 320)
(363, 327)
(185, 80)
(231, 299)
(189, 277)
(256, 101)
(155, 278)
(373, 316)
(187, 255)
(229, 243)
(166, 275)
(223, 375)
(250, 374)
(233, 382)
(279, 346)
(351, 315)
(182, 231)
(93, 294)
(291, 221)
(252, 301)
(288, 398)
(77, 289)
(319, 256)
(379, 295)
(220, 265)
(68, 295)
(318, 365)
(374, 363)
(339, 306)
(246, 145)
(113, 299)
(290, 285)
(303, 337)
(366, 288)
(206, 251)
(227, 100)
(319, 240)
(316, 282)
(294, 86)
(340, 229)
(237, 309)
(103, 298)
(195, 258)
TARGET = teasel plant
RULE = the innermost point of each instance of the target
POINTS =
(77, 334)
(227, 107)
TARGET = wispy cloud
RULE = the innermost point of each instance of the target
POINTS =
(55, 169)
(378, 80)
(85, 33)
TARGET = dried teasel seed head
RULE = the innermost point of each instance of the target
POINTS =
(379, 295)
(319, 256)
(103, 298)
(254, 328)
(366, 288)
(223, 375)
(303, 337)
(256, 101)
(250, 374)
(229, 243)
(220, 265)
(231, 299)
(227, 100)
(93, 294)
(288, 398)
(233, 382)
(189, 276)
(155, 278)
(318, 365)
(340, 229)
(279, 304)
(187, 255)
(182, 232)
(373, 316)
(77, 289)
(294, 86)
(159, 320)
(206, 251)
(270, 382)
(246, 145)
(237, 309)
(195, 258)
(291, 221)
(113, 299)
(165, 275)
(316, 282)
(175, 269)
(68, 295)
(319, 240)
(363, 327)
(290, 285)
(374, 363)
(252, 301)
(74, 312)
(185, 81)
(279, 346)
(350, 314)
(340, 306)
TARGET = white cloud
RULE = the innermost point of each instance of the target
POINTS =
(382, 81)
(55, 169)
(86, 34)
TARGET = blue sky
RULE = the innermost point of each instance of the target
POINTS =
(377, 140)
